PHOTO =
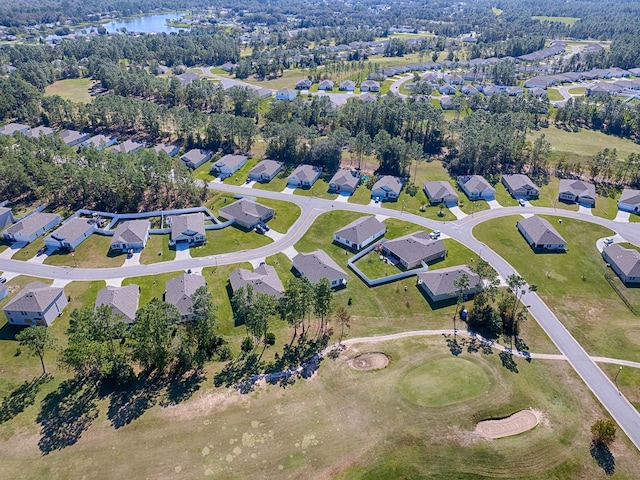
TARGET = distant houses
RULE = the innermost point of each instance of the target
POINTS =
(440, 192)
(441, 284)
(70, 234)
(131, 235)
(540, 234)
(318, 265)
(38, 132)
(99, 142)
(265, 170)
(13, 128)
(304, 176)
(625, 262)
(360, 233)
(347, 86)
(128, 146)
(304, 84)
(476, 187)
(71, 138)
(520, 186)
(246, 213)
(195, 158)
(31, 227)
(414, 249)
(264, 279)
(370, 86)
(179, 292)
(577, 191)
(629, 201)
(36, 304)
(187, 229)
(344, 182)
(387, 187)
(326, 85)
(228, 165)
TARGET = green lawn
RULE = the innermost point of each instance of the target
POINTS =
(277, 184)
(503, 197)
(320, 189)
(577, 90)
(469, 207)
(151, 286)
(155, 245)
(569, 21)
(588, 307)
(554, 95)
(286, 213)
(548, 196)
(361, 196)
(94, 252)
(605, 207)
(240, 177)
(73, 89)
(203, 172)
(230, 239)
(29, 251)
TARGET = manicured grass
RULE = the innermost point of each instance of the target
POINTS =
(554, 95)
(320, 189)
(218, 200)
(634, 218)
(151, 286)
(386, 85)
(566, 20)
(606, 207)
(155, 245)
(588, 307)
(240, 177)
(203, 172)
(29, 251)
(230, 239)
(286, 213)
(276, 185)
(94, 252)
(361, 196)
(548, 196)
(410, 204)
(503, 197)
(288, 79)
(469, 207)
(73, 89)
(584, 143)
(577, 90)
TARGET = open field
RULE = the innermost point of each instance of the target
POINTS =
(584, 144)
(572, 283)
(566, 20)
(73, 89)
(424, 431)
(94, 252)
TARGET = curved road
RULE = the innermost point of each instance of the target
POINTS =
(616, 404)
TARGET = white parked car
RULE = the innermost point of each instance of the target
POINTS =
(435, 234)
(521, 202)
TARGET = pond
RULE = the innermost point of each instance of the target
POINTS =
(146, 24)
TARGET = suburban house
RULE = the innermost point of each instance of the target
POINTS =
(31, 227)
(71, 138)
(520, 186)
(440, 284)
(246, 213)
(348, 86)
(263, 92)
(122, 300)
(367, 97)
(369, 86)
(629, 202)
(344, 181)
(387, 187)
(70, 234)
(263, 279)
(625, 262)
(187, 78)
(100, 142)
(195, 157)
(326, 85)
(476, 187)
(128, 146)
(540, 234)
(577, 191)
(12, 128)
(169, 149)
(178, 292)
(360, 233)
(447, 89)
(36, 304)
(304, 176)
(304, 84)
(265, 170)
(228, 165)
(318, 265)
(40, 131)
(131, 235)
(446, 103)
(6, 217)
(187, 228)
(286, 94)
(440, 192)
(414, 249)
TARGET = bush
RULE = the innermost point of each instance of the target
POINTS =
(270, 339)
(247, 345)
(411, 189)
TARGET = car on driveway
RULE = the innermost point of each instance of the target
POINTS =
(435, 234)
(521, 202)
(608, 241)
(3, 280)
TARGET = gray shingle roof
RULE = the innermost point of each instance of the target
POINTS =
(122, 300)
(518, 181)
(318, 265)
(441, 281)
(246, 211)
(541, 231)
(128, 146)
(344, 178)
(361, 229)
(626, 259)
(630, 196)
(191, 222)
(73, 229)
(477, 183)
(263, 279)
(37, 131)
(439, 189)
(304, 172)
(71, 136)
(268, 167)
(34, 297)
(230, 161)
(31, 223)
(131, 231)
(415, 247)
(179, 291)
(388, 183)
(578, 188)
(195, 156)
(12, 128)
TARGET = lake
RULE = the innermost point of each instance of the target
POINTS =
(156, 23)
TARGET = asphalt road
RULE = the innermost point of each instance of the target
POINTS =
(616, 404)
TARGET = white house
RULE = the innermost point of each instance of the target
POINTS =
(31, 227)
(100, 142)
(169, 149)
(195, 157)
(629, 201)
(70, 234)
(476, 187)
(360, 233)
(228, 165)
(6, 217)
(36, 304)
(304, 176)
(131, 235)
(387, 187)
(344, 181)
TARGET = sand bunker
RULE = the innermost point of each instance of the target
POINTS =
(517, 423)
(369, 361)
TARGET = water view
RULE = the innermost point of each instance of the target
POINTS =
(147, 24)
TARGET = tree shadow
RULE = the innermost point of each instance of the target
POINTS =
(454, 346)
(508, 362)
(603, 456)
(130, 403)
(22, 397)
(238, 370)
(182, 386)
(66, 413)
